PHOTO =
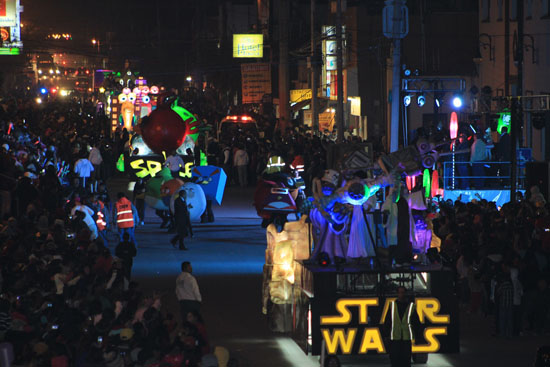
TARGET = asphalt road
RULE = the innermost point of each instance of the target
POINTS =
(227, 258)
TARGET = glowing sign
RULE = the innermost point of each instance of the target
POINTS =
(150, 166)
(340, 339)
(504, 120)
(9, 51)
(4, 34)
(8, 13)
(299, 95)
(248, 45)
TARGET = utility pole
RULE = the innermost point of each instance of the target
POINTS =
(507, 47)
(284, 113)
(517, 108)
(396, 26)
(339, 74)
(314, 73)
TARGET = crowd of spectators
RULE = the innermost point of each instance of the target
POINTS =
(65, 300)
(502, 260)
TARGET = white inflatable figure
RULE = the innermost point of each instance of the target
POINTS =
(137, 143)
(358, 235)
(188, 143)
(196, 200)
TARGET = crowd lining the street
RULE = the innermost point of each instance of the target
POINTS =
(66, 300)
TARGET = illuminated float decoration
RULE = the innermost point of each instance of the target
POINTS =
(166, 128)
(196, 200)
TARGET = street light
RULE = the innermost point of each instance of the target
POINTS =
(189, 79)
(457, 102)
(96, 42)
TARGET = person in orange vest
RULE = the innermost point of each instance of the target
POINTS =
(125, 216)
(101, 217)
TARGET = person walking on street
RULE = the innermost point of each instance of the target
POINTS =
(181, 220)
(95, 159)
(403, 319)
(126, 251)
(83, 169)
(101, 218)
(240, 161)
(187, 291)
(125, 215)
(139, 198)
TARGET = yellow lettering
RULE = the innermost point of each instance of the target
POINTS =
(137, 165)
(339, 338)
(432, 345)
(342, 306)
(188, 168)
(372, 340)
(154, 167)
(429, 307)
(389, 300)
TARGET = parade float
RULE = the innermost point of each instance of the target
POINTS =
(158, 126)
(329, 277)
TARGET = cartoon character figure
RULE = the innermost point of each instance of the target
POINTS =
(127, 117)
(146, 106)
(196, 201)
(212, 180)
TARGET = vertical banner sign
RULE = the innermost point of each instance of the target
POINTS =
(256, 82)
(8, 15)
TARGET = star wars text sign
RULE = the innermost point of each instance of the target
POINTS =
(354, 331)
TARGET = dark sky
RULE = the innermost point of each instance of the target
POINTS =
(76, 16)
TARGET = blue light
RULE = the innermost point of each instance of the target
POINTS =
(457, 102)
(407, 101)
(43, 90)
(421, 100)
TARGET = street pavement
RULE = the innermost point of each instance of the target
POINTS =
(227, 258)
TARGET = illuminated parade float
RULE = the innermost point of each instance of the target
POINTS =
(331, 277)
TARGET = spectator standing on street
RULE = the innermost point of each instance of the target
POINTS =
(139, 198)
(88, 217)
(182, 221)
(126, 251)
(227, 163)
(187, 291)
(83, 169)
(95, 159)
(125, 216)
(240, 161)
(505, 302)
(101, 217)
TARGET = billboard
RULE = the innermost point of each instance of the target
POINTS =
(248, 45)
(8, 13)
(256, 82)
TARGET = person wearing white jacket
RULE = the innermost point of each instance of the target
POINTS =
(83, 168)
(88, 217)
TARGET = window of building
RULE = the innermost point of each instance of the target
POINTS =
(513, 10)
(529, 9)
(486, 10)
(499, 9)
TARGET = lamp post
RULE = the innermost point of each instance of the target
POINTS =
(97, 43)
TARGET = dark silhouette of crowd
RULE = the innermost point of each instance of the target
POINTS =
(501, 259)
(65, 299)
